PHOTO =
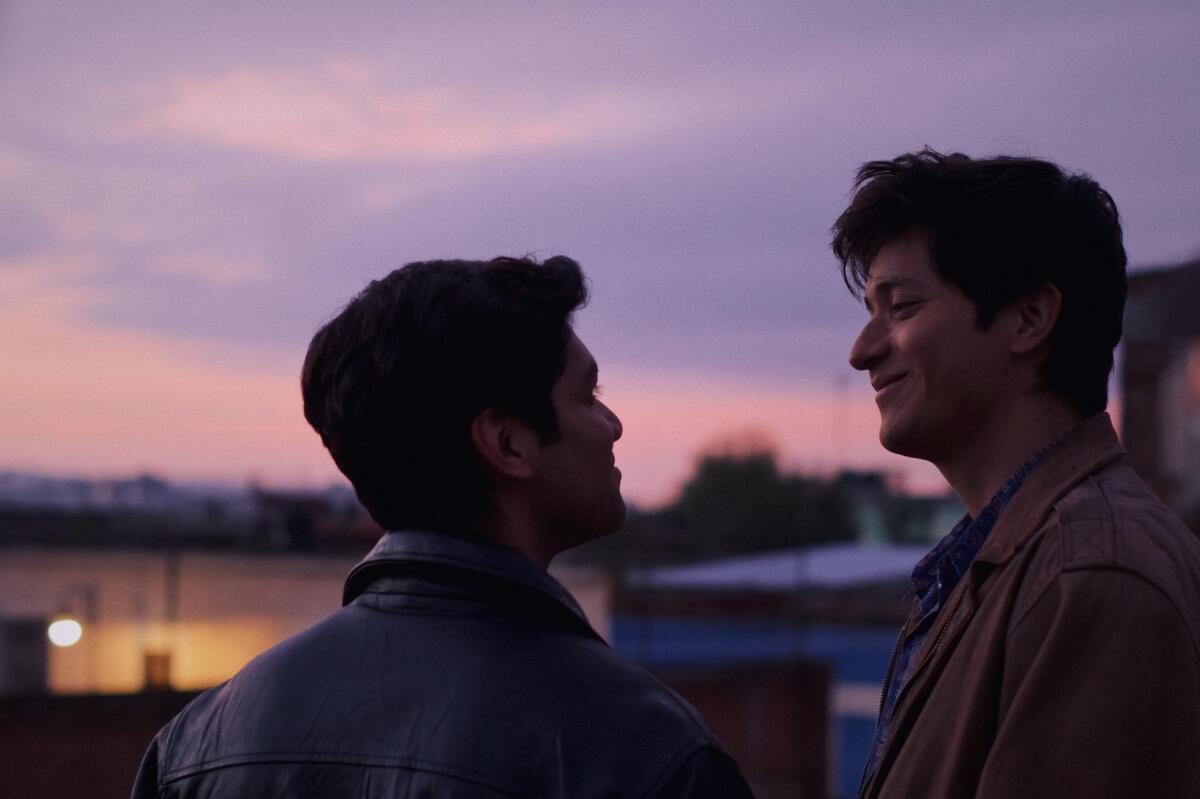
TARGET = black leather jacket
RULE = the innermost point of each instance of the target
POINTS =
(455, 669)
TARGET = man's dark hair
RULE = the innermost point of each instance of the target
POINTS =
(998, 228)
(393, 383)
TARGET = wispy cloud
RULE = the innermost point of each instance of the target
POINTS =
(220, 270)
(342, 110)
(183, 197)
(12, 164)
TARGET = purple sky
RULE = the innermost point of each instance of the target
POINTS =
(188, 191)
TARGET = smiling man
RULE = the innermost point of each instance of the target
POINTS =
(459, 402)
(1052, 648)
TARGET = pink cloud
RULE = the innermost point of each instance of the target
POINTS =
(341, 111)
(221, 270)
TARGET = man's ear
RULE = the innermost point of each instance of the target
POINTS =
(1037, 314)
(508, 446)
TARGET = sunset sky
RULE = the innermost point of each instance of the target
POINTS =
(187, 191)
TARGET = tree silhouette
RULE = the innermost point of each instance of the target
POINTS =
(736, 501)
(744, 503)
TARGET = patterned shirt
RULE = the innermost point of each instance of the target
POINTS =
(933, 579)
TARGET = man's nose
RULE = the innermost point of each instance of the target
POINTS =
(869, 347)
(617, 427)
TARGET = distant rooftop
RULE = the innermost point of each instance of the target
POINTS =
(831, 566)
(149, 512)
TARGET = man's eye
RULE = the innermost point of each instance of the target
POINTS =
(903, 308)
(596, 392)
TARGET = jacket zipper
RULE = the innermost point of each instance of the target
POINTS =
(887, 681)
(942, 632)
(949, 615)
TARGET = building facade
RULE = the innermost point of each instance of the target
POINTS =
(1160, 384)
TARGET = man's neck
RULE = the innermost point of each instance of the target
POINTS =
(977, 469)
(513, 525)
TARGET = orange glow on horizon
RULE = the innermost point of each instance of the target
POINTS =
(82, 400)
(670, 420)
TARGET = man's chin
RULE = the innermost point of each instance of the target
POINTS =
(615, 523)
(899, 441)
(620, 518)
(611, 524)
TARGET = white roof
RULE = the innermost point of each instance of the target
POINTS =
(830, 566)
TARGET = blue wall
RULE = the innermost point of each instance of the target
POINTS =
(854, 655)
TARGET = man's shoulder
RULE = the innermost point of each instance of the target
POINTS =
(1109, 524)
(1113, 518)
(510, 701)
(259, 702)
(626, 690)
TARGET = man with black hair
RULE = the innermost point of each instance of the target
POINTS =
(463, 408)
(1052, 648)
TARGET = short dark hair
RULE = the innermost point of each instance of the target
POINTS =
(393, 382)
(998, 228)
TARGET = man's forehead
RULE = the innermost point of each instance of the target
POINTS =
(900, 264)
(901, 260)
(579, 358)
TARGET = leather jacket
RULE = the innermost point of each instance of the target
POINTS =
(455, 669)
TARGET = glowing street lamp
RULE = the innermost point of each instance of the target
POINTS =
(64, 631)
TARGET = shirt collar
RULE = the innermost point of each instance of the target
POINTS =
(939, 571)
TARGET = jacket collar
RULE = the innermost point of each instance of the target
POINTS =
(417, 547)
(1091, 445)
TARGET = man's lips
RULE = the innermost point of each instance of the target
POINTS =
(881, 383)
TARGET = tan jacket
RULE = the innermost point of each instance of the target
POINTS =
(1066, 663)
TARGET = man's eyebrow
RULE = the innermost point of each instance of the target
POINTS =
(593, 373)
(891, 283)
(885, 286)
